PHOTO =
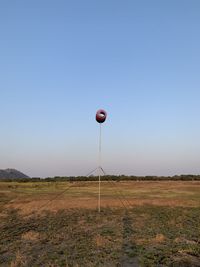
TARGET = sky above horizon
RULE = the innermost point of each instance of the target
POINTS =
(60, 61)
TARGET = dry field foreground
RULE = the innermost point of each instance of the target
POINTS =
(28, 197)
(141, 224)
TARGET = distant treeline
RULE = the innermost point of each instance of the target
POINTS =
(117, 178)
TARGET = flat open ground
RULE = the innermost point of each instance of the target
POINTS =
(141, 224)
(28, 197)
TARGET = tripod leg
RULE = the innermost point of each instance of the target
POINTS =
(102, 170)
(90, 173)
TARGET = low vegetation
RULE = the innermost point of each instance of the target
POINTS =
(23, 178)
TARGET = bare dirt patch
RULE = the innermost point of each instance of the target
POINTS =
(160, 238)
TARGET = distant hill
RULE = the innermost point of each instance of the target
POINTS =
(11, 174)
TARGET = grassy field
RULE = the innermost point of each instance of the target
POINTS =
(141, 224)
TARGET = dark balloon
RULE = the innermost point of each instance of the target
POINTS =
(101, 116)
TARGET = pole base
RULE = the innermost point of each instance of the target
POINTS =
(100, 170)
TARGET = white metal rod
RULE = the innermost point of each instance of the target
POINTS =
(99, 202)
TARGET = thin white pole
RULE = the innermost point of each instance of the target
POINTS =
(99, 201)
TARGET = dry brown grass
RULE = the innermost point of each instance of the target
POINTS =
(31, 235)
(101, 241)
(70, 203)
(84, 195)
(19, 260)
(160, 238)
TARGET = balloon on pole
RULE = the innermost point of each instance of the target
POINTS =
(101, 116)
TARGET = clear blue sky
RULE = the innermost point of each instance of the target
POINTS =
(62, 60)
